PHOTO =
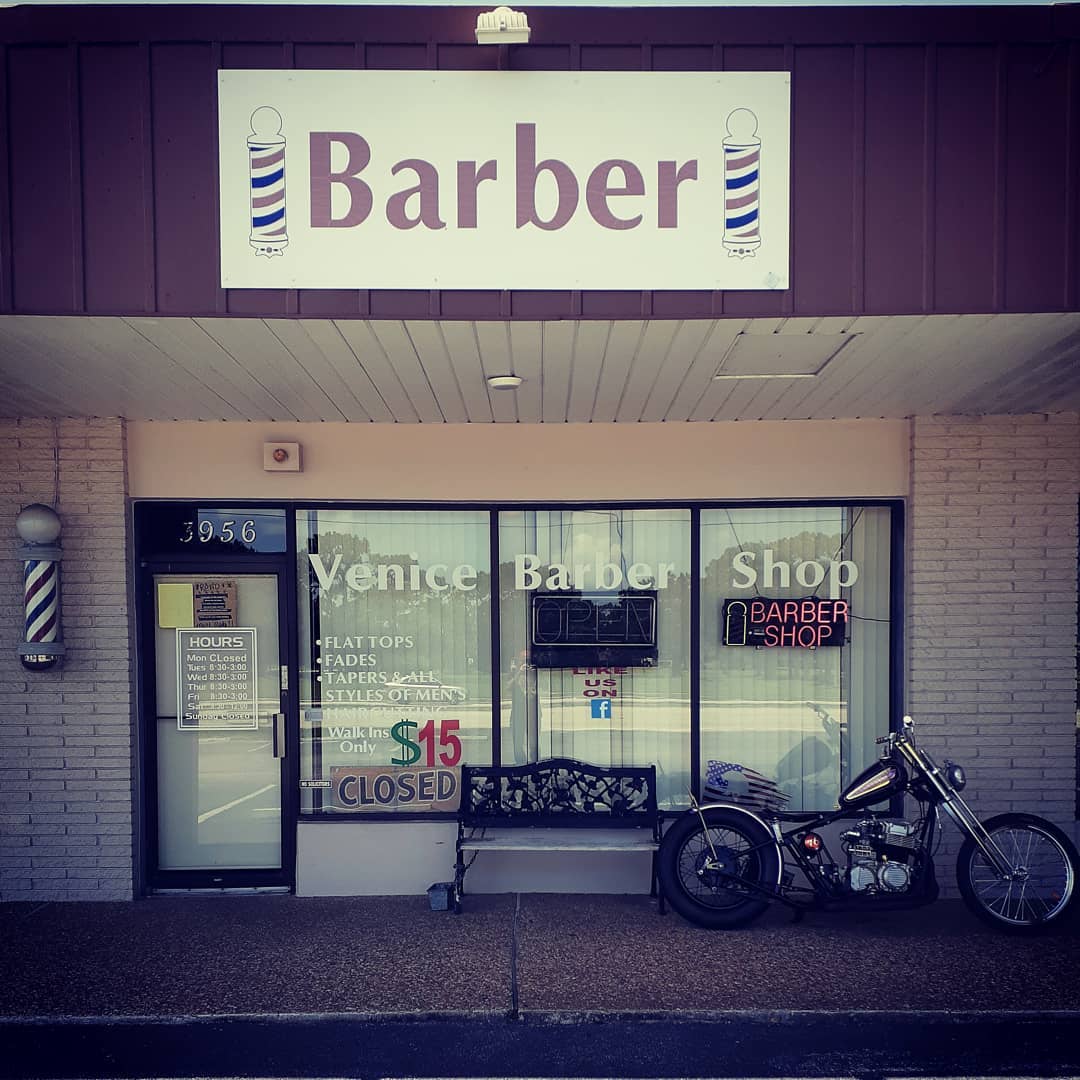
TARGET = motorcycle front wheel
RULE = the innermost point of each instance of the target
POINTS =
(1042, 886)
(712, 877)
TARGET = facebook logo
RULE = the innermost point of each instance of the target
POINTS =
(601, 708)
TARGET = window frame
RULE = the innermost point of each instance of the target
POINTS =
(897, 586)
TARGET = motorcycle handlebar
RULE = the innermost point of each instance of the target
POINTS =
(909, 726)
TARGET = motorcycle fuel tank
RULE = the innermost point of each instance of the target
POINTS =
(875, 784)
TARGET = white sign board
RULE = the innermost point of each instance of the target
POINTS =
(216, 679)
(504, 179)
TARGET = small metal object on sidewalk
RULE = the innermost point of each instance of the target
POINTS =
(439, 895)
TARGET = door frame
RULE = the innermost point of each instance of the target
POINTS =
(156, 879)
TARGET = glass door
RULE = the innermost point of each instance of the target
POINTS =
(220, 701)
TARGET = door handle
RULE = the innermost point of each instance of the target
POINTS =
(279, 735)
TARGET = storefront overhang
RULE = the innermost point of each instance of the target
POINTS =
(573, 371)
(934, 210)
(932, 156)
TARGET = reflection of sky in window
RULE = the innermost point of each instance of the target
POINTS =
(742, 528)
(435, 536)
(583, 534)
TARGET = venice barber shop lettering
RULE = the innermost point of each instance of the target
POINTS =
(361, 576)
(777, 573)
(530, 573)
(615, 190)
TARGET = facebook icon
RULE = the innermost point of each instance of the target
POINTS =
(601, 708)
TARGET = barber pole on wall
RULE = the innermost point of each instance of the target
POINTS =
(520, 180)
(39, 529)
(41, 592)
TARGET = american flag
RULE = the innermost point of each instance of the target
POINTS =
(727, 781)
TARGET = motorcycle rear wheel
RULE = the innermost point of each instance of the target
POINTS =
(1042, 889)
(704, 896)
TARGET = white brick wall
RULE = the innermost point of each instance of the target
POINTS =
(992, 553)
(66, 760)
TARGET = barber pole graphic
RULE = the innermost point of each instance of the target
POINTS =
(266, 168)
(742, 157)
(41, 592)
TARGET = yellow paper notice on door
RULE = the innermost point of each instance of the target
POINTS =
(175, 604)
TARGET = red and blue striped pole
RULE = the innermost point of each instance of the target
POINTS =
(39, 528)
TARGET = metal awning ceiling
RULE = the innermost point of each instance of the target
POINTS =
(576, 372)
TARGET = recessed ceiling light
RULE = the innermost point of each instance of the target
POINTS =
(504, 382)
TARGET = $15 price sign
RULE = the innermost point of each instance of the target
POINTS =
(412, 749)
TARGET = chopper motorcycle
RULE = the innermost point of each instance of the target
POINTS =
(721, 865)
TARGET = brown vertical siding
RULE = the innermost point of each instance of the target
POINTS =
(893, 174)
(1035, 181)
(965, 134)
(683, 58)
(114, 167)
(184, 118)
(934, 151)
(1072, 171)
(46, 196)
(824, 200)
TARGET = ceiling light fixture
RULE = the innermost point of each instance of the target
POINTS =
(503, 26)
(504, 382)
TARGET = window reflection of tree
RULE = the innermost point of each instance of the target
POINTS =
(449, 627)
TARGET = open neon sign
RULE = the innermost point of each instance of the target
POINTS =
(764, 623)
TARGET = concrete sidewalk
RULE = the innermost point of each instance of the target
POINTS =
(572, 956)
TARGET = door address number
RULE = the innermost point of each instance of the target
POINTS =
(226, 531)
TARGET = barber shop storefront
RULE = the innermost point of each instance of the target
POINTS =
(412, 389)
(329, 664)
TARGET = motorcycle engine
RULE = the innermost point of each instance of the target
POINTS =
(880, 855)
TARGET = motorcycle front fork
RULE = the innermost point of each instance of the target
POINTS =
(962, 815)
(968, 823)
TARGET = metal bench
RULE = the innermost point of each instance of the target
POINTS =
(557, 804)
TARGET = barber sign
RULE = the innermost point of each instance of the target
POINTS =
(504, 179)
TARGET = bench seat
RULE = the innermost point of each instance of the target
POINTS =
(556, 805)
(557, 840)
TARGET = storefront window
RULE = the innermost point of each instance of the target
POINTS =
(595, 647)
(595, 639)
(795, 644)
(395, 646)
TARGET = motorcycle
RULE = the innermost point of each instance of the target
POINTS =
(720, 865)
